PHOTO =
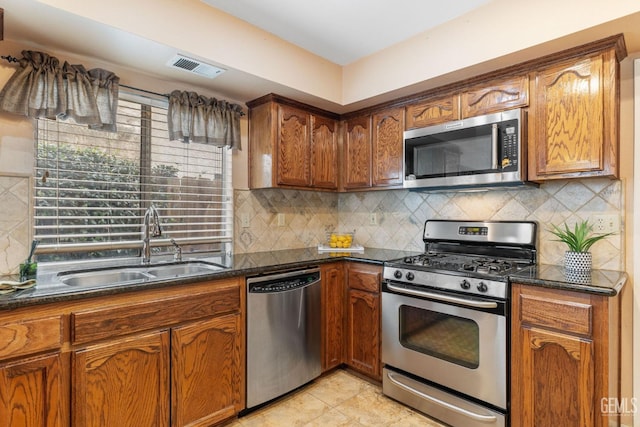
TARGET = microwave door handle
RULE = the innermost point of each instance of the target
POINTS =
(494, 146)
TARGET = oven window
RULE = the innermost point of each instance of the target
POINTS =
(451, 338)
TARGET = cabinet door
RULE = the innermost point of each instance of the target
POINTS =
(123, 384)
(324, 153)
(293, 146)
(573, 120)
(357, 152)
(557, 380)
(33, 392)
(333, 294)
(363, 339)
(494, 96)
(388, 127)
(206, 373)
(433, 111)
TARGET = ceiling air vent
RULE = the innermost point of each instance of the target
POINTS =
(195, 66)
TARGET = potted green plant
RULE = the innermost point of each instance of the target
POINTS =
(579, 240)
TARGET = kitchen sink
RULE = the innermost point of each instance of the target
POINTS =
(103, 277)
(192, 268)
(136, 274)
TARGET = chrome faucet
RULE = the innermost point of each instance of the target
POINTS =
(150, 228)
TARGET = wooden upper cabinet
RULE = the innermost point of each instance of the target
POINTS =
(324, 153)
(434, 111)
(388, 128)
(573, 119)
(357, 152)
(495, 96)
(294, 148)
(291, 145)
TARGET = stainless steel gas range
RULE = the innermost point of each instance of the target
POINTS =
(445, 317)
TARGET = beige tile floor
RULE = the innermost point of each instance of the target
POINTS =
(337, 399)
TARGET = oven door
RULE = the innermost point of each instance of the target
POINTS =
(452, 341)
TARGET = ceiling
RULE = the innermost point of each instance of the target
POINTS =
(361, 28)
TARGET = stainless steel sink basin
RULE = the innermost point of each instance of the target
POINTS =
(136, 274)
(179, 270)
(103, 277)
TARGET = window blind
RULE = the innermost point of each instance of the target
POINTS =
(93, 187)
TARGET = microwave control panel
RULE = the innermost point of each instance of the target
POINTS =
(510, 146)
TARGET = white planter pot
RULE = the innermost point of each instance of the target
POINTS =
(577, 261)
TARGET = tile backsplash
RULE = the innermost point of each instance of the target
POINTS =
(400, 216)
(14, 222)
(306, 216)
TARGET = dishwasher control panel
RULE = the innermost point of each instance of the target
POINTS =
(283, 282)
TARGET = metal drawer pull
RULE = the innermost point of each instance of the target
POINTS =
(478, 417)
(445, 298)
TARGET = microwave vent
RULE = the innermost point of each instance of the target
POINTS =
(194, 66)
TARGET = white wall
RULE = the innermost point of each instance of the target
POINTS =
(636, 241)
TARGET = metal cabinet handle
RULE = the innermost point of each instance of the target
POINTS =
(478, 417)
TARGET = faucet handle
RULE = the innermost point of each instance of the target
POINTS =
(177, 251)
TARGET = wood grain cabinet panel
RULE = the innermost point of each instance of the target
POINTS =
(206, 371)
(573, 119)
(363, 319)
(30, 336)
(292, 145)
(124, 383)
(388, 128)
(34, 392)
(494, 96)
(333, 319)
(294, 148)
(565, 349)
(434, 111)
(324, 153)
(357, 152)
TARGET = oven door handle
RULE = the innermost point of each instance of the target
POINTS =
(477, 417)
(444, 298)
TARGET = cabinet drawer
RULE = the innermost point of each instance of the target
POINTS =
(364, 277)
(31, 336)
(108, 322)
(572, 316)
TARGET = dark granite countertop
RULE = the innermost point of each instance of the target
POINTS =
(49, 288)
(601, 282)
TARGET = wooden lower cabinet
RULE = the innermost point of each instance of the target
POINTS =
(363, 319)
(565, 353)
(205, 357)
(33, 392)
(333, 319)
(123, 383)
(159, 357)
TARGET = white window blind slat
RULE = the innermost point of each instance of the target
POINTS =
(92, 187)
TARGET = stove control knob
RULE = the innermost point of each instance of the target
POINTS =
(465, 284)
(482, 287)
(410, 276)
(397, 274)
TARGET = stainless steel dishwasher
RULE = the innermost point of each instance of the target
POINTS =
(283, 333)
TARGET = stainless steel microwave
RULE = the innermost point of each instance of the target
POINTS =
(483, 151)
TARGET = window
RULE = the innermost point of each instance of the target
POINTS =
(92, 187)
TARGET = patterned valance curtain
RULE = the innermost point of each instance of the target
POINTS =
(196, 118)
(41, 87)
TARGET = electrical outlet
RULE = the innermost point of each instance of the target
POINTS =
(280, 220)
(373, 218)
(606, 223)
(245, 221)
